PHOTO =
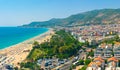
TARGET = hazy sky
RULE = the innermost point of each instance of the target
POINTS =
(18, 12)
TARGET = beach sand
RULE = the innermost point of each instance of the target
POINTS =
(17, 53)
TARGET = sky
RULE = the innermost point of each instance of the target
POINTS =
(19, 12)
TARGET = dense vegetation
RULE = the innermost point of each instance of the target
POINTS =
(61, 45)
(103, 16)
(29, 66)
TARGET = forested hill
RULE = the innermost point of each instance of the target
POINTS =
(103, 16)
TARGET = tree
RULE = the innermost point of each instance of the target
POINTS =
(84, 67)
(81, 62)
(36, 44)
(117, 38)
(91, 53)
(16, 68)
(86, 43)
(87, 61)
(55, 49)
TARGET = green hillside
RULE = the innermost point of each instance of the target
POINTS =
(103, 16)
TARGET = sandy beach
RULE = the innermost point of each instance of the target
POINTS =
(17, 53)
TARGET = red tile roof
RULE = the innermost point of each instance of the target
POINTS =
(113, 59)
(99, 59)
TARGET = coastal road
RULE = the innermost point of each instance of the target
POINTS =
(65, 66)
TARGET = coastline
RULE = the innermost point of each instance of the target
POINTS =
(17, 53)
(20, 41)
(28, 40)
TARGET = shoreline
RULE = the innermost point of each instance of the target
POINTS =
(26, 40)
(17, 53)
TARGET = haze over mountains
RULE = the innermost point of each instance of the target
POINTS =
(95, 17)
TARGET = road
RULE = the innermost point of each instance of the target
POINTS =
(68, 64)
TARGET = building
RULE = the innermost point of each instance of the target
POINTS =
(108, 51)
(98, 52)
(105, 51)
(116, 50)
(81, 40)
(93, 66)
(97, 64)
(112, 64)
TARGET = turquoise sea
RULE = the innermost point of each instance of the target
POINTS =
(13, 35)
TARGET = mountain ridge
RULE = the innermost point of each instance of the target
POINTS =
(94, 17)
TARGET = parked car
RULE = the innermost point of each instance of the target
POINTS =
(61, 61)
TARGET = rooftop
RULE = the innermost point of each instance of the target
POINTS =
(113, 59)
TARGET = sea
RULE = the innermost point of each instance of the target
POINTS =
(13, 35)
